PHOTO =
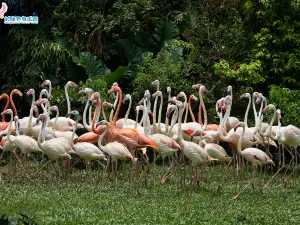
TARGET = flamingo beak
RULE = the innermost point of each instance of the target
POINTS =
(98, 124)
(43, 85)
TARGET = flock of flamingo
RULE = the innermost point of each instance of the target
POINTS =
(126, 139)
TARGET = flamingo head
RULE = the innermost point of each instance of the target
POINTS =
(246, 95)
(74, 113)
(147, 95)
(229, 89)
(203, 89)
(259, 98)
(157, 93)
(94, 96)
(42, 117)
(36, 110)
(41, 101)
(127, 97)
(71, 84)
(54, 108)
(278, 111)
(240, 124)
(170, 110)
(86, 91)
(168, 89)
(45, 92)
(46, 83)
(180, 95)
(200, 131)
(114, 89)
(8, 111)
(140, 103)
(268, 108)
(102, 122)
(108, 105)
(220, 104)
(16, 91)
(196, 86)
(31, 92)
(193, 97)
(155, 83)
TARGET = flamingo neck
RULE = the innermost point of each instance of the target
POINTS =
(247, 112)
(67, 98)
(222, 126)
(55, 120)
(101, 138)
(6, 105)
(102, 112)
(159, 111)
(115, 105)
(254, 108)
(114, 122)
(200, 110)
(73, 134)
(98, 102)
(190, 109)
(88, 127)
(9, 127)
(128, 110)
(31, 111)
(239, 147)
(12, 102)
(201, 94)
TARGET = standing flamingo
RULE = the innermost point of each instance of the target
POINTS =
(89, 92)
(125, 121)
(253, 155)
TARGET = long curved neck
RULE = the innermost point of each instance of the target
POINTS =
(260, 111)
(128, 110)
(101, 138)
(119, 107)
(9, 127)
(88, 127)
(200, 109)
(56, 117)
(67, 98)
(222, 126)
(204, 109)
(278, 135)
(179, 132)
(50, 89)
(146, 118)
(271, 124)
(73, 134)
(6, 105)
(173, 120)
(95, 115)
(159, 111)
(247, 112)
(12, 103)
(239, 147)
(31, 111)
(254, 109)
(154, 115)
(190, 109)
(102, 112)
(136, 119)
(185, 108)
(115, 105)
(40, 137)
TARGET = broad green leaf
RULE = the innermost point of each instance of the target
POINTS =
(116, 75)
(166, 30)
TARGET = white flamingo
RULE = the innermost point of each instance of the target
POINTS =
(89, 93)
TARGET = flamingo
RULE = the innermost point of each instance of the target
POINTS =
(85, 150)
(48, 83)
(196, 154)
(25, 143)
(115, 150)
(253, 155)
(55, 148)
(231, 121)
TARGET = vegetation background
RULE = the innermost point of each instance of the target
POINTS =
(249, 44)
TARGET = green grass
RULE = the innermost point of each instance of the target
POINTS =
(80, 201)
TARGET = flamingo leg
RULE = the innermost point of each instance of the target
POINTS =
(284, 176)
(21, 164)
(251, 181)
(163, 180)
(191, 186)
(260, 176)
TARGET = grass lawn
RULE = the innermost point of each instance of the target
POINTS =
(87, 201)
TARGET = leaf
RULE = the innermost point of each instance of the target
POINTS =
(130, 49)
(166, 30)
(94, 67)
(116, 75)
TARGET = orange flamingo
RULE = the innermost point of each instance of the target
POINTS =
(4, 124)
(132, 138)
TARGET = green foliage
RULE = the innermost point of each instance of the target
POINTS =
(246, 73)
(288, 102)
(166, 30)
